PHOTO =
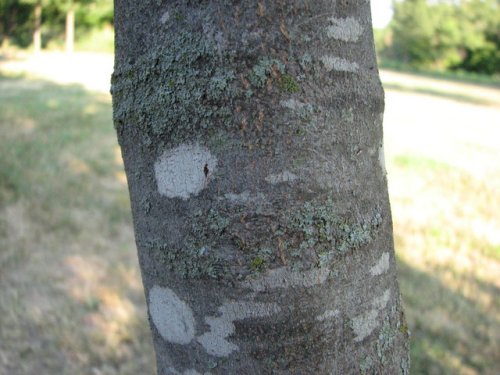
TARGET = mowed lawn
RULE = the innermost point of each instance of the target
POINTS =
(71, 299)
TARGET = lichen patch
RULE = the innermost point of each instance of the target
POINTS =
(345, 29)
(215, 341)
(165, 17)
(337, 63)
(381, 159)
(381, 302)
(245, 197)
(184, 171)
(327, 315)
(292, 104)
(279, 178)
(171, 316)
(364, 324)
(284, 278)
(382, 265)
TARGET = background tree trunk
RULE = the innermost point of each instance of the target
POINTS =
(70, 29)
(251, 133)
(37, 33)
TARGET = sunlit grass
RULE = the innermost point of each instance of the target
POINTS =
(461, 97)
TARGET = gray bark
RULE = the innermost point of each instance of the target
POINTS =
(251, 133)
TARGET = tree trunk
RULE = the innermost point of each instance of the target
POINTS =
(251, 133)
(37, 33)
(70, 30)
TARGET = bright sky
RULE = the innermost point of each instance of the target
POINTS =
(381, 13)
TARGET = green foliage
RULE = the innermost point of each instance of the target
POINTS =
(289, 84)
(426, 35)
(15, 22)
(97, 40)
(17, 19)
(482, 49)
(444, 35)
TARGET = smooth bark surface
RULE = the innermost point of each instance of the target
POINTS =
(251, 133)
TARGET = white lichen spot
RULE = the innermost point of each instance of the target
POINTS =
(293, 104)
(215, 341)
(245, 197)
(345, 29)
(284, 278)
(184, 171)
(327, 315)
(363, 325)
(339, 64)
(164, 18)
(279, 178)
(381, 302)
(382, 265)
(381, 159)
(171, 316)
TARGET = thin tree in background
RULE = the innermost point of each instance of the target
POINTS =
(251, 133)
(37, 33)
(70, 27)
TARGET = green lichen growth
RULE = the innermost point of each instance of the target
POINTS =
(365, 365)
(176, 90)
(265, 256)
(306, 61)
(403, 328)
(348, 115)
(197, 258)
(257, 263)
(187, 262)
(405, 366)
(306, 112)
(385, 341)
(206, 228)
(289, 84)
(273, 69)
(179, 17)
(321, 230)
(313, 234)
(263, 70)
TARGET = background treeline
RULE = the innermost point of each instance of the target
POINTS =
(91, 18)
(443, 35)
(459, 35)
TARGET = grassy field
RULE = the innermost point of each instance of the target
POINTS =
(71, 300)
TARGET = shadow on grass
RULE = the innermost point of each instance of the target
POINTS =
(463, 98)
(450, 333)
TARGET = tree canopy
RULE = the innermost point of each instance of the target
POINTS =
(17, 18)
(445, 34)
